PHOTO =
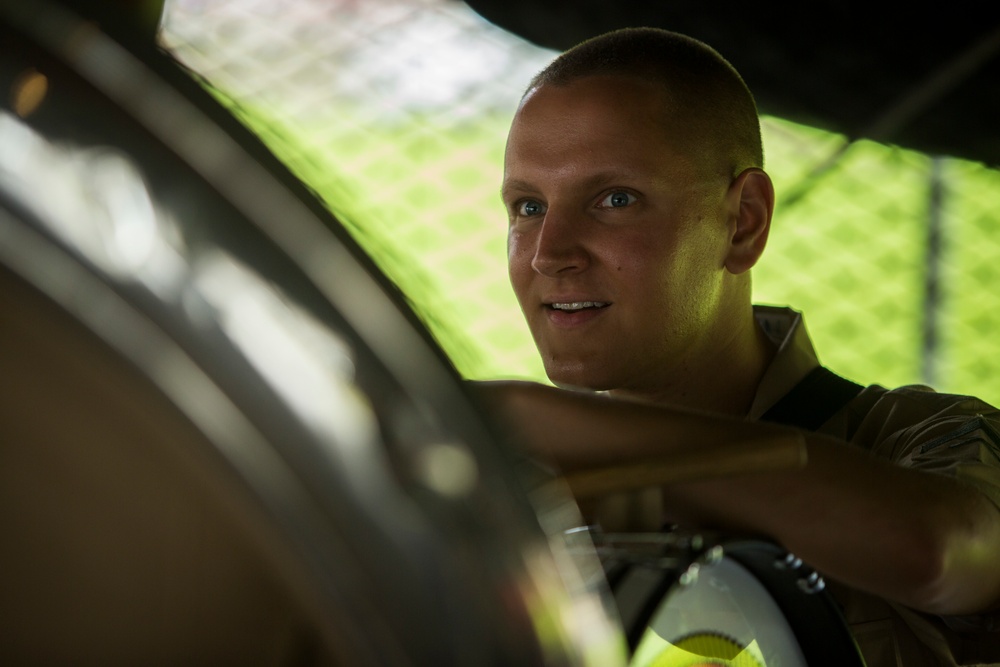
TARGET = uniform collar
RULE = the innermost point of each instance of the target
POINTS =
(792, 362)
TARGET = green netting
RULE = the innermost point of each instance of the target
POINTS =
(396, 114)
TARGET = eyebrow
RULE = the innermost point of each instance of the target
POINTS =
(594, 181)
(515, 185)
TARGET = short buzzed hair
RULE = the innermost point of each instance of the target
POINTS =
(704, 93)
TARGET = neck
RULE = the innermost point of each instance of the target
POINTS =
(721, 380)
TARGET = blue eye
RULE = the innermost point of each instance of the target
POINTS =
(618, 200)
(530, 207)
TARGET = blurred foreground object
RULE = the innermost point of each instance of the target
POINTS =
(223, 436)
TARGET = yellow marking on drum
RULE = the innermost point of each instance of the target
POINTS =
(697, 650)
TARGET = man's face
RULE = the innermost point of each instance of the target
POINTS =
(617, 243)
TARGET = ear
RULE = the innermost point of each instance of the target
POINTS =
(751, 199)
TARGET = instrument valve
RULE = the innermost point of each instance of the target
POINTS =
(813, 583)
(789, 562)
(690, 575)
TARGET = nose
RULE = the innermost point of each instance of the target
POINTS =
(559, 245)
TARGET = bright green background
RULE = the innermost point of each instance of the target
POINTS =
(418, 187)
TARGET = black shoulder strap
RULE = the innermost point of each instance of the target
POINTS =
(813, 400)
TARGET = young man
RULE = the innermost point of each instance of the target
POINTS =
(638, 205)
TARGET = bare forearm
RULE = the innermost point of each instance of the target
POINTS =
(580, 431)
(923, 540)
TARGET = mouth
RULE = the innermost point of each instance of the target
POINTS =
(577, 306)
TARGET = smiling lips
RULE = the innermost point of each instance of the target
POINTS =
(572, 314)
(574, 306)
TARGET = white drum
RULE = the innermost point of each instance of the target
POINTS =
(692, 599)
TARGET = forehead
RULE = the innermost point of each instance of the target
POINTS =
(595, 122)
(600, 105)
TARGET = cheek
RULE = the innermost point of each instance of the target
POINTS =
(513, 245)
(663, 276)
(645, 262)
(518, 262)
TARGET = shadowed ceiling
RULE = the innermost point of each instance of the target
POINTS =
(923, 76)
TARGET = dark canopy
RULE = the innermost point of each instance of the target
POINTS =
(925, 76)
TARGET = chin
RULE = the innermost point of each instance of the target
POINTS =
(576, 377)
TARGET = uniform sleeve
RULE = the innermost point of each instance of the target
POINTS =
(969, 449)
(951, 435)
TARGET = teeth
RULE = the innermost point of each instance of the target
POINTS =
(579, 305)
